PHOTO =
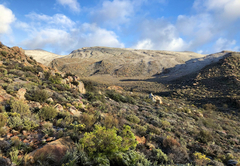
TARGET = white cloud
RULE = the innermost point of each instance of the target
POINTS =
(160, 35)
(225, 44)
(56, 20)
(72, 4)
(64, 35)
(199, 28)
(225, 9)
(113, 12)
(92, 35)
(6, 18)
(144, 44)
(55, 38)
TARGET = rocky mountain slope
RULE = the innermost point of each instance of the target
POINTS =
(121, 62)
(42, 56)
(53, 119)
(218, 82)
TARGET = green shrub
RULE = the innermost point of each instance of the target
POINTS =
(153, 129)
(110, 122)
(15, 123)
(30, 68)
(133, 118)
(40, 96)
(205, 136)
(29, 124)
(47, 113)
(19, 107)
(210, 106)
(55, 79)
(4, 53)
(116, 96)
(159, 157)
(141, 129)
(3, 131)
(88, 120)
(91, 96)
(128, 158)
(4, 71)
(104, 141)
(10, 89)
(3, 119)
(89, 86)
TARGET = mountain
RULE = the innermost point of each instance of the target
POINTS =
(121, 62)
(42, 56)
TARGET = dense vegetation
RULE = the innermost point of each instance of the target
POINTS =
(110, 127)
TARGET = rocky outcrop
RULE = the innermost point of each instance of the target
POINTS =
(55, 149)
(81, 88)
(4, 96)
(20, 94)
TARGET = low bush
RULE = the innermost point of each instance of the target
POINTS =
(159, 157)
(210, 106)
(3, 119)
(47, 113)
(15, 123)
(88, 120)
(55, 79)
(19, 107)
(104, 141)
(40, 96)
(91, 96)
(110, 122)
(205, 136)
(133, 118)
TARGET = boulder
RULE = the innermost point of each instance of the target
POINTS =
(50, 100)
(63, 81)
(56, 149)
(81, 88)
(41, 75)
(4, 96)
(70, 79)
(21, 94)
(59, 107)
(155, 98)
(74, 111)
(33, 104)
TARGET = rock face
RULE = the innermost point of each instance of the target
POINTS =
(56, 149)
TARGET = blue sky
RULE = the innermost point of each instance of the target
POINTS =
(61, 26)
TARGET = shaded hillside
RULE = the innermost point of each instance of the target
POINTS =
(218, 82)
(121, 62)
